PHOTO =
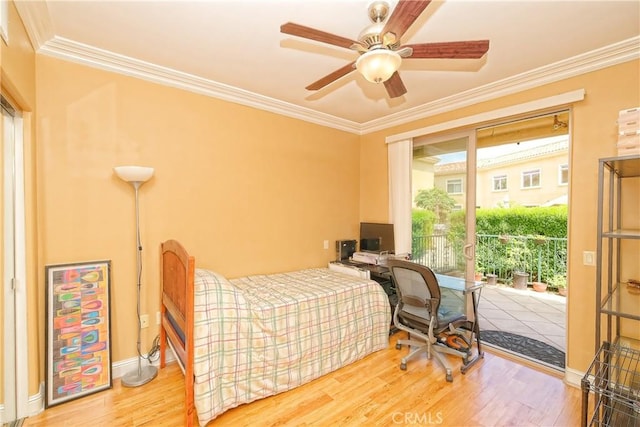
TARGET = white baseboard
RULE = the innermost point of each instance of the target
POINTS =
(573, 377)
(118, 370)
(35, 405)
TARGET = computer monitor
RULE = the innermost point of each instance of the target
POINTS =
(376, 237)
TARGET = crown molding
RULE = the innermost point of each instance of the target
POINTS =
(617, 53)
(37, 21)
(70, 50)
(35, 16)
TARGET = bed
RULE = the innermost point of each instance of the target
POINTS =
(248, 338)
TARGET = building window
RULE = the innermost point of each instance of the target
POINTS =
(563, 175)
(457, 207)
(531, 178)
(500, 183)
(454, 186)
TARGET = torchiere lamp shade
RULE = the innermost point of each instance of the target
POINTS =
(134, 173)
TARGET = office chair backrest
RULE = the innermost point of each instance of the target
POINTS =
(416, 284)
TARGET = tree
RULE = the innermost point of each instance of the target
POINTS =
(437, 201)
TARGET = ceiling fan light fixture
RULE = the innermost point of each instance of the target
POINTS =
(378, 65)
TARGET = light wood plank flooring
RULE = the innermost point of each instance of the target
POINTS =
(373, 391)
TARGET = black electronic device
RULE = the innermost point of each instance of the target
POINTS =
(370, 244)
(345, 249)
(377, 237)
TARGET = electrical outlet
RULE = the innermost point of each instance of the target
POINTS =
(589, 258)
(144, 321)
(326, 244)
(157, 317)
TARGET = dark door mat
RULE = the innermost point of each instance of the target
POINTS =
(525, 346)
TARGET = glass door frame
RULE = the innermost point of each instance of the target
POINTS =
(15, 331)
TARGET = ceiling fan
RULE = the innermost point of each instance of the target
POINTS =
(380, 48)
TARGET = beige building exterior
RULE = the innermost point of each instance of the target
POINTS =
(531, 177)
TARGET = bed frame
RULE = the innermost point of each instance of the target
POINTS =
(177, 269)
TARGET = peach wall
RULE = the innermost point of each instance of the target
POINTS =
(594, 129)
(246, 191)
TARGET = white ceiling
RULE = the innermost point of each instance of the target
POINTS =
(234, 50)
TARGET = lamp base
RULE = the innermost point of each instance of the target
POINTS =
(136, 379)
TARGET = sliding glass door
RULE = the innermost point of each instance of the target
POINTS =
(443, 201)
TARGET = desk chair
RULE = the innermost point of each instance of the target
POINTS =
(419, 313)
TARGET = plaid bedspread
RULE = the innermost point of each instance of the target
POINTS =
(261, 335)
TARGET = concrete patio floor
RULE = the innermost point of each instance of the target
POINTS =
(537, 315)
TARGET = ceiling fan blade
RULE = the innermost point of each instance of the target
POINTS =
(404, 14)
(330, 78)
(395, 86)
(471, 49)
(317, 35)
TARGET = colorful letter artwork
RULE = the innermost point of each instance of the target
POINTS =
(78, 331)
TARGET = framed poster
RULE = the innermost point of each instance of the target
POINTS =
(78, 330)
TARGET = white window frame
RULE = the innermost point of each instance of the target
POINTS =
(453, 181)
(494, 180)
(561, 168)
(530, 172)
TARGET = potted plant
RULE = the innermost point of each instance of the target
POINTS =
(492, 279)
(559, 282)
(539, 240)
(520, 279)
(539, 286)
(517, 254)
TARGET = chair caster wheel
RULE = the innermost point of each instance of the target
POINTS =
(449, 378)
(398, 346)
(403, 366)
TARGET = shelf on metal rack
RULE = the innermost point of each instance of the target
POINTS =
(614, 378)
(620, 302)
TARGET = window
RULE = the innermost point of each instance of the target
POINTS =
(531, 178)
(500, 183)
(454, 186)
(563, 175)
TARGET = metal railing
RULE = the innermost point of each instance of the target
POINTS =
(541, 258)
(438, 252)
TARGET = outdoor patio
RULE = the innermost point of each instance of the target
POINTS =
(532, 324)
(537, 315)
(507, 314)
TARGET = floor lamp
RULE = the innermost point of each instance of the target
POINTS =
(136, 176)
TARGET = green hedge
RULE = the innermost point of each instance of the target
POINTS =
(538, 221)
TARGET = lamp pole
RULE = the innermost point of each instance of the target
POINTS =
(137, 176)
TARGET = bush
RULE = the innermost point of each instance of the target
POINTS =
(531, 254)
(422, 223)
(538, 221)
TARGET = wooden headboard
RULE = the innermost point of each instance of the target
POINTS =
(177, 270)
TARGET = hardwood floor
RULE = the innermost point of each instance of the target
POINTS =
(373, 391)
